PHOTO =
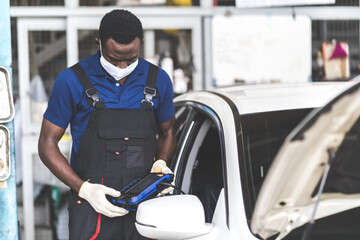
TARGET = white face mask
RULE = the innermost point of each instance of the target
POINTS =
(115, 72)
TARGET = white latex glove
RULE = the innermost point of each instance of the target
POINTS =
(159, 166)
(95, 195)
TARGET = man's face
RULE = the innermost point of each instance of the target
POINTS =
(121, 55)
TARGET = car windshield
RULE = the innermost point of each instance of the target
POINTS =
(263, 135)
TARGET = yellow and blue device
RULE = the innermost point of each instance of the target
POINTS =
(141, 189)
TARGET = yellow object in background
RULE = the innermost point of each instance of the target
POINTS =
(173, 32)
(179, 2)
(66, 137)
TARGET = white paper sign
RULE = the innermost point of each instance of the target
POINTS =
(257, 49)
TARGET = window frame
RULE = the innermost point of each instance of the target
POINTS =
(179, 162)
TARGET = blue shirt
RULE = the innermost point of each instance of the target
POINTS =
(69, 104)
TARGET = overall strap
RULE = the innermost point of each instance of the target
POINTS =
(150, 88)
(90, 91)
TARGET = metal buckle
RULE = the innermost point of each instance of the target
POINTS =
(149, 94)
(147, 101)
(90, 92)
(152, 91)
(93, 94)
(95, 99)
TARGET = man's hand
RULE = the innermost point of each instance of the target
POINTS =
(95, 195)
(160, 167)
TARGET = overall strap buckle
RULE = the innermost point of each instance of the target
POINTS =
(93, 94)
(149, 94)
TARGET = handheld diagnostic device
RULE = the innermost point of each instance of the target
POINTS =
(141, 189)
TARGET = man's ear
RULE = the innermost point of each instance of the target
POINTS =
(97, 40)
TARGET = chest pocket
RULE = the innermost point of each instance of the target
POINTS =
(123, 149)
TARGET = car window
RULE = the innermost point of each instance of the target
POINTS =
(181, 114)
(263, 135)
(207, 174)
(186, 126)
(198, 159)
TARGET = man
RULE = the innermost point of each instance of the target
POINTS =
(114, 101)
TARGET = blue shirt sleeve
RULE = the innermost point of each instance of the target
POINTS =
(165, 109)
(63, 100)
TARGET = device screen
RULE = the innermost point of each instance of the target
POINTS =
(143, 184)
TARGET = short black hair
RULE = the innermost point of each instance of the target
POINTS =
(120, 25)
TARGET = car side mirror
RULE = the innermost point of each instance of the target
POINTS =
(172, 217)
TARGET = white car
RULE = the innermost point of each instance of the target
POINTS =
(245, 177)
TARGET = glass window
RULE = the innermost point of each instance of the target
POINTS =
(98, 2)
(133, 3)
(207, 176)
(47, 52)
(181, 115)
(185, 128)
(199, 156)
(86, 42)
(26, 3)
(263, 135)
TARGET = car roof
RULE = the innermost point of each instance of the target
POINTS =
(271, 97)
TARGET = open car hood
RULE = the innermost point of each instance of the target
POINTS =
(289, 193)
